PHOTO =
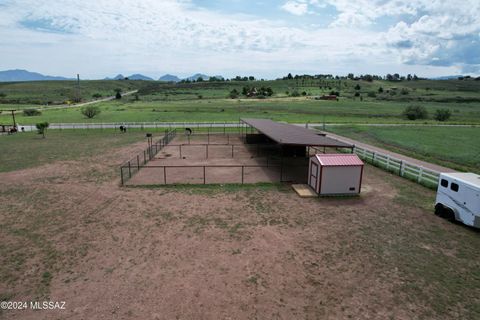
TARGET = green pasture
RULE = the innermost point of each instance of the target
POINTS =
(281, 109)
(41, 93)
(29, 149)
(454, 147)
(208, 101)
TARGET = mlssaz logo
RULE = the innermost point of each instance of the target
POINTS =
(47, 305)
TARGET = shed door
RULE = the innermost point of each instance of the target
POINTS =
(313, 177)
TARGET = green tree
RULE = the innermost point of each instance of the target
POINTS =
(90, 111)
(118, 93)
(357, 87)
(233, 94)
(442, 114)
(415, 112)
(31, 112)
(42, 128)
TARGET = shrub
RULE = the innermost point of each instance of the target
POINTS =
(295, 93)
(404, 91)
(90, 111)
(31, 112)
(380, 90)
(415, 112)
(96, 95)
(372, 94)
(304, 93)
(118, 95)
(335, 93)
(357, 87)
(442, 114)
(357, 94)
(233, 94)
(42, 128)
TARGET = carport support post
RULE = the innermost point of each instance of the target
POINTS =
(281, 166)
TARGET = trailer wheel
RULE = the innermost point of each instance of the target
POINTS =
(444, 212)
(439, 210)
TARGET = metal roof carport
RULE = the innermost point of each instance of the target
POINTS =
(292, 138)
(289, 134)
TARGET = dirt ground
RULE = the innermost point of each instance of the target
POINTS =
(71, 233)
(223, 157)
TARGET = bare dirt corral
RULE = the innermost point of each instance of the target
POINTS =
(70, 233)
(217, 159)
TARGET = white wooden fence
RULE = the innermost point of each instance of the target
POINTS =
(403, 168)
(137, 125)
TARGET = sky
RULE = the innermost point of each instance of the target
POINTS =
(264, 38)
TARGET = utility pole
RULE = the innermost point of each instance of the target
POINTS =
(78, 88)
(13, 117)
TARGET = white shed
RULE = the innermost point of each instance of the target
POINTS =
(335, 174)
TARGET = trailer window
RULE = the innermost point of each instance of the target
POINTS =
(444, 183)
(454, 187)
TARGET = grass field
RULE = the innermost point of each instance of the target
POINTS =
(208, 251)
(30, 149)
(282, 109)
(37, 93)
(455, 147)
(209, 102)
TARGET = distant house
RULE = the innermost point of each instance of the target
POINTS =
(327, 97)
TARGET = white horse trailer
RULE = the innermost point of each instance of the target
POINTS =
(458, 198)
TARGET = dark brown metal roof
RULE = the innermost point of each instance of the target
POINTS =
(283, 133)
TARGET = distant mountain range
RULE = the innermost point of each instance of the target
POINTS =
(169, 78)
(24, 75)
(135, 76)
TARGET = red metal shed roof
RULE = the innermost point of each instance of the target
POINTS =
(334, 160)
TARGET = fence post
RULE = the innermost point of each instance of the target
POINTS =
(164, 175)
(204, 175)
(129, 170)
(144, 157)
(388, 162)
(138, 162)
(373, 158)
(232, 151)
(180, 147)
(402, 168)
(121, 174)
(420, 174)
(243, 169)
(207, 150)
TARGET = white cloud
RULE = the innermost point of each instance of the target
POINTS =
(111, 36)
(298, 8)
